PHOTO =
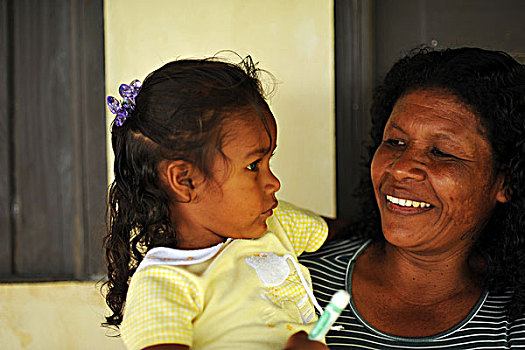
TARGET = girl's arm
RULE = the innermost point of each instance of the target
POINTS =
(167, 347)
(298, 341)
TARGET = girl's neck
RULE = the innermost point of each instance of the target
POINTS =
(191, 234)
(194, 243)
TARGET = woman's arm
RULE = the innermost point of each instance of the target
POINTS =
(336, 227)
(300, 341)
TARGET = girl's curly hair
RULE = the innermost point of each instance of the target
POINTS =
(492, 84)
(179, 114)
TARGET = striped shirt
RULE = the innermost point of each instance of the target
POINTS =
(486, 327)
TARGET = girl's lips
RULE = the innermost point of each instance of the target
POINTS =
(269, 212)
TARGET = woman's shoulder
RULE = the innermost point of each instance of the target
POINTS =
(496, 309)
(490, 323)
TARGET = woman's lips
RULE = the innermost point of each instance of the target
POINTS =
(406, 206)
(403, 202)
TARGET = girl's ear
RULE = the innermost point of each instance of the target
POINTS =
(181, 177)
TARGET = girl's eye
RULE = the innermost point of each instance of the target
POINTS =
(254, 166)
(394, 142)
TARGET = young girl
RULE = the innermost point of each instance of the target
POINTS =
(200, 254)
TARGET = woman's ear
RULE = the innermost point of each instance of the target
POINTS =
(181, 177)
(503, 194)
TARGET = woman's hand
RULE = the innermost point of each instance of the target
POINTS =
(300, 341)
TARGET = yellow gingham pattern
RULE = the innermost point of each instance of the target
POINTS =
(162, 301)
(290, 290)
(306, 230)
(161, 305)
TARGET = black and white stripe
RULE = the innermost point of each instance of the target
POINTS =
(487, 327)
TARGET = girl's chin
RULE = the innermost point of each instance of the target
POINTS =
(258, 231)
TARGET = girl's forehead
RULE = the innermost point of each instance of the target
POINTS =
(244, 121)
(255, 120)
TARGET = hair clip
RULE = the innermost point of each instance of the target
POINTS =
(123, 110)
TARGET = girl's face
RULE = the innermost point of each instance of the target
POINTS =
(434, 175)
(241, 195)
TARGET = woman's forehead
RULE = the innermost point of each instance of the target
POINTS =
(433, 108)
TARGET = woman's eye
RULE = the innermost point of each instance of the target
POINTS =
(254, 166)
(437, 152)
(395, 142)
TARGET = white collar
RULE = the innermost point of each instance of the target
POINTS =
(175, 257)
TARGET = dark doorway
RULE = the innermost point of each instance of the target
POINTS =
(52, 139)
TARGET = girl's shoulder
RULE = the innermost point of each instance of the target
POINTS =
(304, 229)
(165, 276)
(291, 215)
(338, 249)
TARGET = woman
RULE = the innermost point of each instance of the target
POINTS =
(437, 259)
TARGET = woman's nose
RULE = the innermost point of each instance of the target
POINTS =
(408, 166)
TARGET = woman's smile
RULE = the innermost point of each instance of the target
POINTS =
(406, 206)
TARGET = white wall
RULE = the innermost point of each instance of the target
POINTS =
(293, 39)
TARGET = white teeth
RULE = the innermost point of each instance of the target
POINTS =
(407, 202)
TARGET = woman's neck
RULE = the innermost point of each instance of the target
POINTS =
(407, 294)
(420, 279)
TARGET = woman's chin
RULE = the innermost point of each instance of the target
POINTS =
(401, 238)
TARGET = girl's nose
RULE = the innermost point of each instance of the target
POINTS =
(273, 185)
(407, 166)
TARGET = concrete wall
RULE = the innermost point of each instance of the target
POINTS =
(292, 39)
(64, 315)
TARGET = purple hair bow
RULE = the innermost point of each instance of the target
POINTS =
(123, 110)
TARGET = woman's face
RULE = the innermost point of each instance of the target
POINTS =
(434, 175)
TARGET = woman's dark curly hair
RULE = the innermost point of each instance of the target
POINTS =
(492, 84)
(179, 114)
